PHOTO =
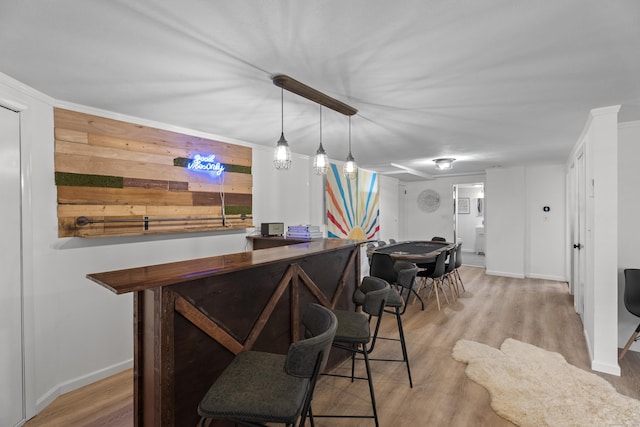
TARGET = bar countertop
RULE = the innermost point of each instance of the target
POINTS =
(141, 278)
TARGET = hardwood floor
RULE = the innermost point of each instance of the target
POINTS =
(494, 308)
(106, 403)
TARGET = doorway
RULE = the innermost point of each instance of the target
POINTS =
(12, 408)
(577, 199)
(469, 222)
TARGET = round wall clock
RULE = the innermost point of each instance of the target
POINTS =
(428, 201)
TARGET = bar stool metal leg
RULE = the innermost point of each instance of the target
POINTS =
(370, 380)
(405, 355)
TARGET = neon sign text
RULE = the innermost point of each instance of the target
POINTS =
(206, 164)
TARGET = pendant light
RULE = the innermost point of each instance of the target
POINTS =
(320, 160)
(350, 169)
(282, 154)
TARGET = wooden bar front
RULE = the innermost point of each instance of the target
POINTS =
(191, 318)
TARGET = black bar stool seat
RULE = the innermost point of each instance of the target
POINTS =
(258, 388)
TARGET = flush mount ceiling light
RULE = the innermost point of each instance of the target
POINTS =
(282, 155)
(443, 164)
(320, 160)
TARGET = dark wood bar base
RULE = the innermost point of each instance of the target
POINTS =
(189, 328)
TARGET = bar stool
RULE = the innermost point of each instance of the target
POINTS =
(258, 387)
(384, 267)
(405, 275)
(354, 334)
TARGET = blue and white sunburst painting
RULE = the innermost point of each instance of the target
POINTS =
(352, 205)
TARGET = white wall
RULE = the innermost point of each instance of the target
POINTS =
(389, 208)
(602, 238)
(81, 331)
(628, 224)
(283, 195)
(422, 225)
(522, 240)
(505, 221)
(36, 124)
(546, 237)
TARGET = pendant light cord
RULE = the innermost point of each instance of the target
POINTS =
(349, 134)
(321, 125)
(282, 110)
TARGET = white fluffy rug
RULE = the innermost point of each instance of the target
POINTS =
(530, 386)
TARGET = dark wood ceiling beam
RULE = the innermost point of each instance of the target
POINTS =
(292, 85)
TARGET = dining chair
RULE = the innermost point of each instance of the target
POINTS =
(436, 276)
(381, 266)
(631, 302)
(449, 273)
(458, 264)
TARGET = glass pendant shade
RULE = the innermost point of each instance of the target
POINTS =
(350, 169)
(282, 155)
(320, 161)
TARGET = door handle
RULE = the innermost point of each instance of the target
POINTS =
(577, 246)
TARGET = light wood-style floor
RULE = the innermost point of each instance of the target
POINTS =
(539, 312)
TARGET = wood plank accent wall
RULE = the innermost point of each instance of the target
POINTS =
(129, 179)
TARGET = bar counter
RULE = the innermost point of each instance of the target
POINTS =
(192, 317)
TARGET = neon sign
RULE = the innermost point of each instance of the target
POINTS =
(206, 164)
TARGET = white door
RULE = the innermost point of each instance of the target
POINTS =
(403, 212)
(456, 232)
(579, 233)
(11, 367)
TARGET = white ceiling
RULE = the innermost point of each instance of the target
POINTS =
(489, 82)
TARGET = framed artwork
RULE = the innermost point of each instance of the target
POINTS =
(463, 205)
(352, 205)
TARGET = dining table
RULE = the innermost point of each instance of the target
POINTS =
(416, 251)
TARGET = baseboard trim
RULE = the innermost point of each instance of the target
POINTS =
(82, 381)
(505, 274)
(546, 277)
(607, 368)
